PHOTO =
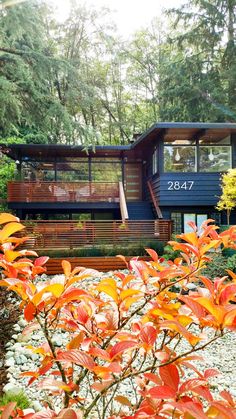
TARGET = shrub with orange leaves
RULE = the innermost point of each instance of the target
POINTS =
(127, 329)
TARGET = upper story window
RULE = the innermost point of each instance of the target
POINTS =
(202, 155)
(215, 156)
(154, 161)
(180, 156)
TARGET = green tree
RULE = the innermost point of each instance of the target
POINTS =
(227, 201)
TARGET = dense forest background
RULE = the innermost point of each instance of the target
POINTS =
(79, 82)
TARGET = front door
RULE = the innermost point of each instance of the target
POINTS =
(133, 181)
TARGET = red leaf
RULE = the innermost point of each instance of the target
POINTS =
(224, 411)
(228, 292)
(227, 396)
(162, 392)
(204, 392)
(120, 347)
(152, 377)
(170, 376)
(77, 357)
(196, 308)
(29, 312)
(41, 261)
(148, 335)
(70, 414)
(8, 409)
(100, 353)
(153, 254)
(45, 414)
(210, 372)
(195, 409)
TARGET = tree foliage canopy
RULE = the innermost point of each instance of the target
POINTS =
(78, 82)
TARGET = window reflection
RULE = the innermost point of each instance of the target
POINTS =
(179, 159)
(214, 159)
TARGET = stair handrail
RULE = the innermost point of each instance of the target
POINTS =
(123, 205)
(154, 200)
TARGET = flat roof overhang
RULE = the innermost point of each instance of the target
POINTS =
(185, 130)
(158, 131)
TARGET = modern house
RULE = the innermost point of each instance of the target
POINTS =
(169, 175)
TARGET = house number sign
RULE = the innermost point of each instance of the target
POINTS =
(176, 185)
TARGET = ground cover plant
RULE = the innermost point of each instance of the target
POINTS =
(126, 329)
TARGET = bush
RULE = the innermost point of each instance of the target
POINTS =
(216, 267)
(124, 328)
(106, 250)
(21, 400)
(231, 263)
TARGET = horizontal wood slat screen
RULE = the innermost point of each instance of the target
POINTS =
(103, 264)
(63, 192)
(72, 234)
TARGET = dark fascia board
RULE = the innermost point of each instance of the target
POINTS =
(18, 149)
(187, 125)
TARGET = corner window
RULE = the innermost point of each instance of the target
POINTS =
(180, 158)
(214, 158)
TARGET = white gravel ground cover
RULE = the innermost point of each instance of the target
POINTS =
(220, 354)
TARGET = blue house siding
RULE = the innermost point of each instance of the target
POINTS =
(187, 189)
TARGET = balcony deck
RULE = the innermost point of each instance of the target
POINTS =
(68, 192)
(73, 234)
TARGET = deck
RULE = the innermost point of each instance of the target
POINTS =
(52, 192)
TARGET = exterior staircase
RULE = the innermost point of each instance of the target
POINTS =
(140, 210)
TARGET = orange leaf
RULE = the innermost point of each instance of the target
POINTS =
(8, 409)
(123, 400)
(216, 311)
(66, 266)
(76, 341)
(6, 217)
(174, 325)
(108, 286)
(148, 335)
(128, 293)
(55, 289)
(153, 254)
(121, 347)
(10, 229)
(196, 308)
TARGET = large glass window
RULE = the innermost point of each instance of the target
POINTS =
(214, 158)
(180, 159)
(106, 171)
(73, 172)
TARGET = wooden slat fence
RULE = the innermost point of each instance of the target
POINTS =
(71, 234)
(102, 264)
(63, 191)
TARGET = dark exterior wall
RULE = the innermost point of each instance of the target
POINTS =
(187, 189)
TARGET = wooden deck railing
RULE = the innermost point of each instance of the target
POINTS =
(63, 192)
(123, 205)
(72, 234)
(154, 200)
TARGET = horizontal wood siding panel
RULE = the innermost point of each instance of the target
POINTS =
(102, 264)
(204, 190)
